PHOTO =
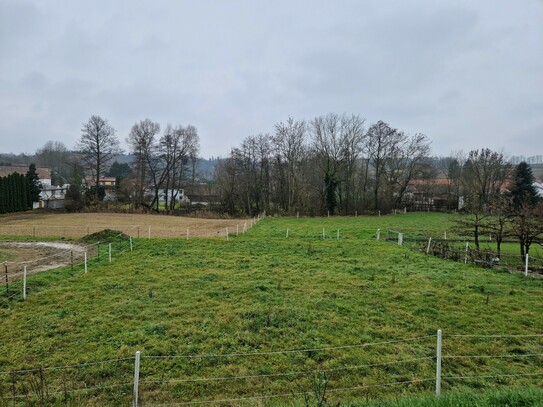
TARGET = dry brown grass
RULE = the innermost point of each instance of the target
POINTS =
(74, 225)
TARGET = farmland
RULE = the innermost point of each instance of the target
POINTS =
(46, 225)
(266, 317)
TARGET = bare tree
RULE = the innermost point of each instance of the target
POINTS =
(56, 156)
(351, 141)
(326, 132)
(381, 142)
(484, 174)
(289, 149)
(142, 143)
(97, 146)
(408, 158)
(227, 178)
(527, 225)
(170, 168)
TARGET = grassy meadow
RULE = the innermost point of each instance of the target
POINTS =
(271, 319)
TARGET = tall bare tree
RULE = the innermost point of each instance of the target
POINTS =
(289, 149)
(142, 144)
(381, 142)
(326, 132)
(484, 174)
(352, 139)
(409, 156)
(97, 145)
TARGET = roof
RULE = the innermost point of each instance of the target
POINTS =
(432, 181)
(43, 173)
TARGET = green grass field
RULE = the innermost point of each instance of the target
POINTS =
(228, 310)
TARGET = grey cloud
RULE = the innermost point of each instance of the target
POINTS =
(465, 73)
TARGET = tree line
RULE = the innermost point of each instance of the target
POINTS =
(330, 164)
(163, 164)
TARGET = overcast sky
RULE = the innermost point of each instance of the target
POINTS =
(468, 74)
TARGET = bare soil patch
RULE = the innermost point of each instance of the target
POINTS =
(39, 256)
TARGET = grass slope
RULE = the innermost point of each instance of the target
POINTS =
(263, 293)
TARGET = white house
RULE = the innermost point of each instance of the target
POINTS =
(539, 187)
(52, 197)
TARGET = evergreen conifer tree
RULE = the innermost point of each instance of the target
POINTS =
(523, 189)
(34, 183)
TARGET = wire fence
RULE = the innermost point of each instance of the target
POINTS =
(19, 279)
(465, 251)
(136, 231)
(415, 365)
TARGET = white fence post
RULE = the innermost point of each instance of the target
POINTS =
(287, 233)
(400, 239)
(226, 233)
(378, 234)
(526, 266)
(85, 262)
(405, 210)
(428, 247)
(149, 233)
(131, 243)
(445, 235)
(379, 212)
(24, 283)
(110, 252)
(237, 230)
(187, 233)
(136, 379)
(466, 255)
(323, 233)
(438, 363)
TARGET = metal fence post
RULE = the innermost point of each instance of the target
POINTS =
(526, 266)
(438, 363)
(136, 379)
(24, 283)
(428, 247)
(378, 234)
(85, 262)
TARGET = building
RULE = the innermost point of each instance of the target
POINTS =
(52, 197)
(203, 195)
(108, 183)
(538, 184)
